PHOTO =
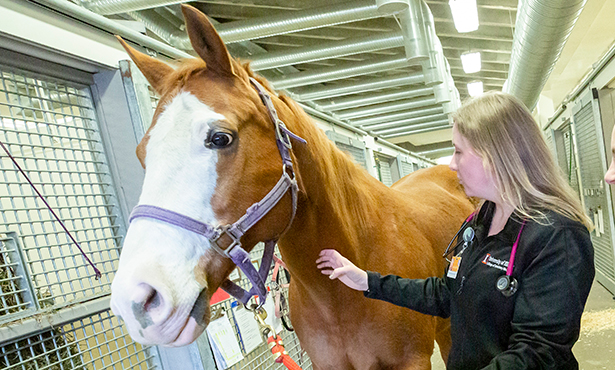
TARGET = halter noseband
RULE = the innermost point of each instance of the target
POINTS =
(254, 213)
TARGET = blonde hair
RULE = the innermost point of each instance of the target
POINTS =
(502, 131)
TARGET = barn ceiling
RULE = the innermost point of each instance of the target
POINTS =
(348, 60)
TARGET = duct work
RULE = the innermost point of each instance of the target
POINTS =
(418, 98)
(541, 31)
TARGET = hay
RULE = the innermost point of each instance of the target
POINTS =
(53, 349)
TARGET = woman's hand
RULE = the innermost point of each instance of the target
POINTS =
(338, 267)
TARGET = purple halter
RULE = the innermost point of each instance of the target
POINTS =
(255, 212)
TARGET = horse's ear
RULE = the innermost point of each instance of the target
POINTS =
(206, 42)
(154, 70)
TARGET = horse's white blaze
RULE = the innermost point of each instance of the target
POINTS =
(180, 176)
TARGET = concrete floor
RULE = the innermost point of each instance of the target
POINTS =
(595, 349)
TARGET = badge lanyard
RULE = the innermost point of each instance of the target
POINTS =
(448, 248)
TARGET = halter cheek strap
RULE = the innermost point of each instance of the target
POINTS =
(254, 213)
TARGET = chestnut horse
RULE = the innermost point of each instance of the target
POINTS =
(211, 153)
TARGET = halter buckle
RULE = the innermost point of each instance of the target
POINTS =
(282, 134)
(235, 240)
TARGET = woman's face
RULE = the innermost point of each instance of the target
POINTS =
(470, 170)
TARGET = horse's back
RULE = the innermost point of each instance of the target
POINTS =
(425, 179)
(437, 202)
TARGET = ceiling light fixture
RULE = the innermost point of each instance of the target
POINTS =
(471, 62)
(475, 88)
(465, 15)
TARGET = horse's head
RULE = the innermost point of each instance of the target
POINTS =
(209, 154)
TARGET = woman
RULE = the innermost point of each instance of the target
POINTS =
(531, 319)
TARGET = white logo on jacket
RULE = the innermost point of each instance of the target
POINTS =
(491, 261)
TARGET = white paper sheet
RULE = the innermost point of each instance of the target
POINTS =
(275, 323)
(248, 329)
(223, 343)
(596, 224)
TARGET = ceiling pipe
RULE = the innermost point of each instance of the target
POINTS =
(300, 20)
(439, 125)
(386, 108)
(354, 87)
(441, 152)
(162, 28)
(353, 102)
(392, 6)
(411, 21)
(97, 20)
(108, 7)
(329, 50)
(541, 31)
(337, 73)
(327, 117)
(432, 69)
(442, 90)
(382, 127)
(398, 116)
(250, 29)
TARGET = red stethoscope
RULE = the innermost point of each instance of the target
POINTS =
(506, 284)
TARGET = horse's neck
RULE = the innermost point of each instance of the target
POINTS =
(337, 203)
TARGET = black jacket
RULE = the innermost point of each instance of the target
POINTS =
(533, 329)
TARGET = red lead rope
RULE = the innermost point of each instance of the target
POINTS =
(279, 353)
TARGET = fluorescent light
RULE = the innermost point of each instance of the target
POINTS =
(465, 15)
(471, 62)
(475, 88)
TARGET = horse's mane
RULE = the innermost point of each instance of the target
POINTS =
(346, 182)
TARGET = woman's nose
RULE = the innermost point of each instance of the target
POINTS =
(609, 177)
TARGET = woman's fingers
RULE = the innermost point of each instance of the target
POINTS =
(325, 264)
(327, 252)
(337, 273)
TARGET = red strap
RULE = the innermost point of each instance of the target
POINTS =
(280, 355)
(276, 269)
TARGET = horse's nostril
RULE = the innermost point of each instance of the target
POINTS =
(148, 305)
(152, 301)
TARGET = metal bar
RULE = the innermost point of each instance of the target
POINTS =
(97, 20)
(357, 87)
(337, 73)
(354, 102)
(327, 51)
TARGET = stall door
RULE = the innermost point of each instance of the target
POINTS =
(593, 165)
(53, 313)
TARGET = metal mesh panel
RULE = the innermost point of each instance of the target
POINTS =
(50, 128)
(384, 169)
(357, 153)
(261, 357)
(594, 195)
(95, 342)
(407, 168)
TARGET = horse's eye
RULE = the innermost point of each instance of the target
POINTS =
(219, 140)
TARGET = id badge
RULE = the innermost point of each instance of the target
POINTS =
(453, 268)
